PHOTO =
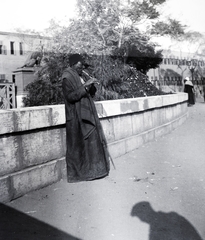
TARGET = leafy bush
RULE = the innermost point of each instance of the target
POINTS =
(117, 81)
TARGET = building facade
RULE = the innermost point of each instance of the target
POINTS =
(176, 66)
(15, 48)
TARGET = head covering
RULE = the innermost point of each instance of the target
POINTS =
(187, 81)
(75, 58)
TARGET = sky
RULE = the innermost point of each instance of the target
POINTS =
(37, 14)
(33, 15)
(189, 12)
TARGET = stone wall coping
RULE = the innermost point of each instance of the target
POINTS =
(30, 118)
(131, 105)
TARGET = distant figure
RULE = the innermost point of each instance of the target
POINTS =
(164, 226)
(204, 92)
(87, 156)
(189, 88)
(34, 59)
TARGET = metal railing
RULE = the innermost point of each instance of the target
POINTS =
(7, 96)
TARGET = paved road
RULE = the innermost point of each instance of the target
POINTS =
(156, 192)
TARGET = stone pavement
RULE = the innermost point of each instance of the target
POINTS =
(156, 192)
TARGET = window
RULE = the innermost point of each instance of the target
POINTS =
(13, 78)
(3, 50)
(12, 48)
(21, 48)
(1, 47)
(2, 78)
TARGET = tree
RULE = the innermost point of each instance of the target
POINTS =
(144, 60)
(171, 27)
(107, 28)
(106, 32)
(46, 89)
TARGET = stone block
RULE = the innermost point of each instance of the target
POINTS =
(141, 104)
(149, 136)
(169, 113)
(31, 118)
(108, 108)
(5, 193)
(170, 99)
(154, 102)
(10, 156)
(156, 117)
(148, 120)
(137, 123)
(162, 115)
(35, 178)
(6, 121)
(42, 146)
(117, 149)
(57, 114)
(122, 127)
(108, 129)
(63, 139)
(129, 106)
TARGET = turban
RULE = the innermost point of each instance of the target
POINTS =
(75, 58)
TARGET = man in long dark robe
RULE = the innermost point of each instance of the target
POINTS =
(189, 89)
(87, 156)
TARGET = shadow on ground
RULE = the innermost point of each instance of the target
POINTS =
(169, 226)
(17, 225)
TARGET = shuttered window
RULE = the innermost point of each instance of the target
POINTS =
(12, 48)
(21, 48)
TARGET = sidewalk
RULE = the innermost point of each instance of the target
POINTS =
(168, 174)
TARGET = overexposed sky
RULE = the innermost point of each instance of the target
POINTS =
(189, 12)
(37, 14)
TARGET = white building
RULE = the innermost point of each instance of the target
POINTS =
(15, 49)
(176, 66)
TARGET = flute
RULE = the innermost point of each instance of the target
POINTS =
(89, 76)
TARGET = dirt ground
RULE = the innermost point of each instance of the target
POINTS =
(156, 192)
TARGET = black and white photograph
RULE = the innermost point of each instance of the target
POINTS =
(102, 120)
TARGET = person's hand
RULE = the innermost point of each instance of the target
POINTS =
(91, 81)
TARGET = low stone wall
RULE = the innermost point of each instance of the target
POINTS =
(33, 140)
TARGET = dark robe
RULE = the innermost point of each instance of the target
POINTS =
(191, 96)
(87, 156)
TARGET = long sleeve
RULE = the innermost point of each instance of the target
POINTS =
(73, 91)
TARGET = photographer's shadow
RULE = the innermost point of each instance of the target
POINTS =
(164, 226)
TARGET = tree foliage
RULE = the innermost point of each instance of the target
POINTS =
(46, 89)
(106, 32)
(171, 27)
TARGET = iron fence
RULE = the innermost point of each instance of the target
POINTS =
(7, 96)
